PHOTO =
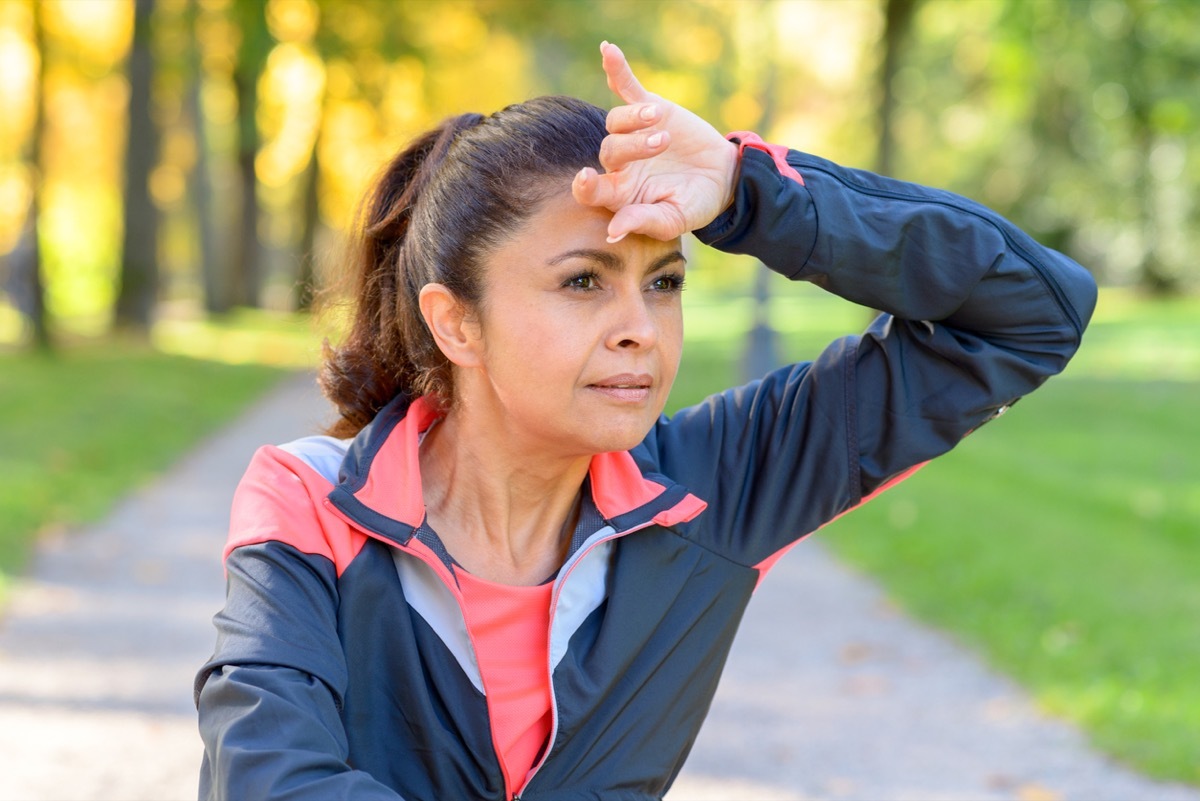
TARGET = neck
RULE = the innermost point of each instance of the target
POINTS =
(505, 512)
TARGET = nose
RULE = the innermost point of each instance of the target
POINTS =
(634, 326)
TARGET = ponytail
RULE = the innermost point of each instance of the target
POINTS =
(382, 354)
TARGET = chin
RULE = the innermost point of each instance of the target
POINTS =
(618, 437)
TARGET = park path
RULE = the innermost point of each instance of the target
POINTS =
(831, 692)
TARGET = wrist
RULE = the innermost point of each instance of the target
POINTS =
(732, 170)
(778, 153)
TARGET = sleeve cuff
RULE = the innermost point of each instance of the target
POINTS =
(778, 153)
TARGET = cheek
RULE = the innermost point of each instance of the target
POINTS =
(671, 337)
(533, 344)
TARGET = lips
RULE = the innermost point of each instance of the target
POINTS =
(627, 387)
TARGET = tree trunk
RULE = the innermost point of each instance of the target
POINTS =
(252, 55)
(28, 288)
(1156, 275)
(247, 258)
(26, 259)
(139, 251)
(306, 277)
(213, 277)
(897, 16)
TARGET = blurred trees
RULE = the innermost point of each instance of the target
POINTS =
(198, 155)
(138, 278)
(1078, 119)
(27, 280)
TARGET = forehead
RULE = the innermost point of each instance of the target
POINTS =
(561, 224)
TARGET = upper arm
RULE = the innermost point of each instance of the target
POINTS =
(774, 459)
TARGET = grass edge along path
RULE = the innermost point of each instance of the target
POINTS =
(82, 427)
(1063, 547)
(1061, 541)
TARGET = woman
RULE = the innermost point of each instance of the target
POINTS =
(508, 576)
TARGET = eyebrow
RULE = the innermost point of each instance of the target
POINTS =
(610, 261)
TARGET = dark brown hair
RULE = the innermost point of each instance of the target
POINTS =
(439, 208)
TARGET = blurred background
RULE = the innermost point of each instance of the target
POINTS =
(176, 176)
(171, 158)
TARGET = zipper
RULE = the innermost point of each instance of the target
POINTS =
(440, 570)
(447, 578)
(558, 585)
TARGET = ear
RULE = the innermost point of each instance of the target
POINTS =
(454, 330)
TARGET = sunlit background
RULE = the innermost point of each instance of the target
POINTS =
(265, 121)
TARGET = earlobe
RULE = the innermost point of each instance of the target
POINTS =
(454, 330)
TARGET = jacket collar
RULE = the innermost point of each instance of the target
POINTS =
(379, 484)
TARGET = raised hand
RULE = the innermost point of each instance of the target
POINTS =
(666, 171)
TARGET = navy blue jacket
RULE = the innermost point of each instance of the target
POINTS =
(343, 668)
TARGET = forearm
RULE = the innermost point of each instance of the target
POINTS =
(274, 733)
(978, 314)
(917, 253)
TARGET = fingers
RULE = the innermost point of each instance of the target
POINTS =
(592, 189)
(627, 119)
(620, 76)
(656, 221)
(617, 150)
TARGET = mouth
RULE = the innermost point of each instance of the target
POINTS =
(626, 388)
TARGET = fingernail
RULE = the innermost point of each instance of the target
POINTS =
(648, 112)
(654, 140)
(582, 176)
(612, 240)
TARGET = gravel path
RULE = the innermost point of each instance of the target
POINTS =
(831, 693)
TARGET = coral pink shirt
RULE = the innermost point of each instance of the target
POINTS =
(510, 627)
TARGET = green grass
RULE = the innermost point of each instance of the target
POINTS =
(80, 428)
(1062, 541)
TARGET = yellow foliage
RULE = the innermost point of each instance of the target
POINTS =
(404, 107)
(454, 86)
(291, 93)
(218, 39)
(18, 80)
(85, 127)
(740, 111)
(351, 153)
(17, 17)
(449, 30)
(96, 32)
(691, 43)
(292, 20)
(689, 89)
(339, 78)
(219, 101)
(84, 222)
(168, 185)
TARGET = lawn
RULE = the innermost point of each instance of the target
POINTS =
(1062, 541)
(85, 425)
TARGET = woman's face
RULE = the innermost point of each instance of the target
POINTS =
(580, 339)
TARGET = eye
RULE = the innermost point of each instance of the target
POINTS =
(584, 281)
(669, 283)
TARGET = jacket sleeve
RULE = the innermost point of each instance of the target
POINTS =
(270, 698)
(975, 315)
